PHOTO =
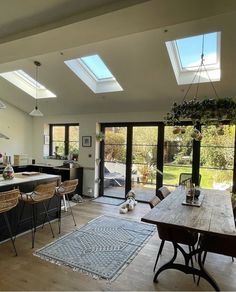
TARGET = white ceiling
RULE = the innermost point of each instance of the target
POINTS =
(130, 37)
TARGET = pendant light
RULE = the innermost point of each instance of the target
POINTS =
(36, 112)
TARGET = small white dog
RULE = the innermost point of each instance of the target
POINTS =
(129, 204)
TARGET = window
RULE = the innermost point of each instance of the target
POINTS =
(64, 141)
(94, 73)
(185, 57)
(97, 67)
(26, 83)
(217, 157)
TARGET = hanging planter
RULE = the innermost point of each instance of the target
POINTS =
(206, 111)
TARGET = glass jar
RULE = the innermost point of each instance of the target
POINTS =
(8, 172)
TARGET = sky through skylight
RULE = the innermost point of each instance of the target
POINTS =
(95, 64)
(190, 50)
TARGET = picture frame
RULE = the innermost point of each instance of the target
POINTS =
(86, 141)
(46, 139)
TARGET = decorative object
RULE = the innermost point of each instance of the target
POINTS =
(129, 204)
(102, 248)
(86, 141)
(100, 136)
(209, 111)
(36, 112)
(8, 172)
(108, 201)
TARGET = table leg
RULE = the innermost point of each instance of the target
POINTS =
(186, 268)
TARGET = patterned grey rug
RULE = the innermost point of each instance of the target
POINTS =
(101, 248)
(109, 201)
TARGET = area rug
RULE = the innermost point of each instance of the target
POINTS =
(109, 201)
(102, 248)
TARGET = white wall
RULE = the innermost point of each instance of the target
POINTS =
(89, 126)
(17, 125)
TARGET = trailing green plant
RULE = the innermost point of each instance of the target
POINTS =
(207, 111)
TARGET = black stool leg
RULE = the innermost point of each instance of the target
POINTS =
(10, 232)
(45, 216)
(19, 220)
(33, 224)
(158, 254)
(70, 209)
(59, 214)
(46, 212)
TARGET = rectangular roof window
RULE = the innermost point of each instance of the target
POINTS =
(28, 84)
(94, 73)
(97, 67)
(190, 49)
(185, 56)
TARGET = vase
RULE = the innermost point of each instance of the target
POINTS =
(8, 172)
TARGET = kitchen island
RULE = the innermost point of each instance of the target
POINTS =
(26, 182)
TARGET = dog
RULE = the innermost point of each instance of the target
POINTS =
(129, 204)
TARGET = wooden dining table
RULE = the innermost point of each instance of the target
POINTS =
(213, 216)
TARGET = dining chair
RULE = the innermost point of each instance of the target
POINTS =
(163, 192)
(203, 240)
(67, 187)
(41, 194)
(168, 234)
(184, 176)
(8, 201)
(154, 201)
(217, 244)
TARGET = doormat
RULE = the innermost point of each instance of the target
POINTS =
(109, 201)
(102, 248)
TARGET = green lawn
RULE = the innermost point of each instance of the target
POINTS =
(208, 176)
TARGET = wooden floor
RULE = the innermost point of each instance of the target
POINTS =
(27, 272)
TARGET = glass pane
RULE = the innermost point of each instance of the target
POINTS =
(217, 157)
(144, 159)
(58, 149)
(115, 161)
(58, 133)
(177, 155)
(96, 65)
(74, 133)
(190, 50)
(74, 142)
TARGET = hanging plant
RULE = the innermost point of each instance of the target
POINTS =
(206, 112)
(100, 136)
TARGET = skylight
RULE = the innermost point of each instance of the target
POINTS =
(96, 65)
(28, 84)
(94, 73)
(185, 56)
(29, 79)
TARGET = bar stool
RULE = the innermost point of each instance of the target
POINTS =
(9, 200)
(40, 194)
(67, 187)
